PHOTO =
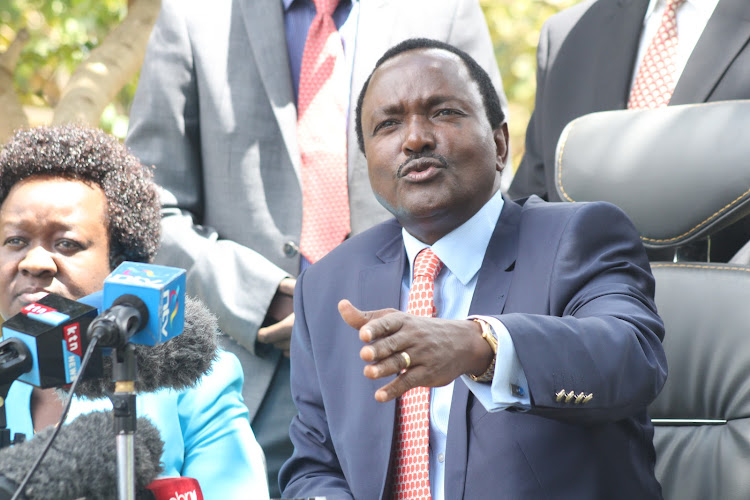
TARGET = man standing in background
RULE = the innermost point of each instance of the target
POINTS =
(594, 56)
(230, 101)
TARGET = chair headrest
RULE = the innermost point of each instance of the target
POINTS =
(681, 173)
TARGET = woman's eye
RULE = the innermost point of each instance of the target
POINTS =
(68, 245)
(14, 242)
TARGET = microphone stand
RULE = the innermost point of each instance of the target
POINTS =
(15, 360)
(5, 439)
(124, 371)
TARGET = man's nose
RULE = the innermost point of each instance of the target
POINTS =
(419, 136)
(38, 262)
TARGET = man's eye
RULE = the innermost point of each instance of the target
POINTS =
(447, 112)
(384, 124)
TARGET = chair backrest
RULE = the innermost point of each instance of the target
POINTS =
(682, 173)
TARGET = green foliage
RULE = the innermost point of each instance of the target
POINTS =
(514, 27)
(62, 34)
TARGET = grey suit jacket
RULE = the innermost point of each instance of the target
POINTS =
(586, 56)
(215, 113)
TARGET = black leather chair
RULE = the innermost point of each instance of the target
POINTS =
(682, 173)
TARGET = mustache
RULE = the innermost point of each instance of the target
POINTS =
(418, 156)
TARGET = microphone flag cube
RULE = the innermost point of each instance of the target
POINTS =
(161, 288)
(53, 329)
(175, 488)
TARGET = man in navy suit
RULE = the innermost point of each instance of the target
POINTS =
(563, 295)
(587, 58)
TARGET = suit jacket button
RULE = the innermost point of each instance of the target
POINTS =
(290, 249)
(569, 396)
(560, 395)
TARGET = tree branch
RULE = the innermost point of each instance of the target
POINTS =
(96, 81)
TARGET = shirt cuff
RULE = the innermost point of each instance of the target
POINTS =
(509, 386)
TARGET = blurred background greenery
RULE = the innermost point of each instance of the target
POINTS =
(63, 32)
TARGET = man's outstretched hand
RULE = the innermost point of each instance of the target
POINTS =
(439, 350)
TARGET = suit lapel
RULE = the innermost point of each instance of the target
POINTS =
(270, 52)
(489, 298)
(497, 268)
(380, 288)
(620, 25)
(725, 34)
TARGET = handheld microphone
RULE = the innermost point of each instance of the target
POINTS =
(176, 364)
(144, 305)
(15, 360)
(175, 488)
(52, 331)
(81, 462)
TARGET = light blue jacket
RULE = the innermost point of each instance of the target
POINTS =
(206, 431)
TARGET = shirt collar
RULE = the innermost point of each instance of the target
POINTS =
(462, 250)
(288, 3)
(702, 6)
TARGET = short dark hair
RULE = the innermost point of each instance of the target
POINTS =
(94, 157)
(490, 98)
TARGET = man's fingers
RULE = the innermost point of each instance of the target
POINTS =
(398, 386)
(389, 366)
(287, 286)
(278, 334)
(358, 319)
(353, 316)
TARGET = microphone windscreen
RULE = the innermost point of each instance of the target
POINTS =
(177, 363)
(82, 461)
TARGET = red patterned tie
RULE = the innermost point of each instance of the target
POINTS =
(321, 133)
(655, 82)
(411, 471)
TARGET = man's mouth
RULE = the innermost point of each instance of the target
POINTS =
(421, 167)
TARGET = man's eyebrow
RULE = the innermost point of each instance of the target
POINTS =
(388, 109)
(431, 101)
(436, 100)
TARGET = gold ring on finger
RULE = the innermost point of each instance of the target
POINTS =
(407, 359)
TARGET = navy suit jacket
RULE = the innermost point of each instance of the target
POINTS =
(572, 284)
(585, 61)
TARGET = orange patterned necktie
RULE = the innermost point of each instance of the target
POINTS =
(655, 82)
(321, 133)
(411, 470)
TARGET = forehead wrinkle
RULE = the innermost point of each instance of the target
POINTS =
(423, 70)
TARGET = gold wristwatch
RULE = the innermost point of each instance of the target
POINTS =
(489, 335)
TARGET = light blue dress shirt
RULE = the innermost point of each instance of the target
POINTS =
(462, 252)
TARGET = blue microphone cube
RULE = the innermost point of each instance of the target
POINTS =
(161, 288)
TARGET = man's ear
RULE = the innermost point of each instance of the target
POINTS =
(501, 146)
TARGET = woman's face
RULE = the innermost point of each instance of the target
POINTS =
(53, 239)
